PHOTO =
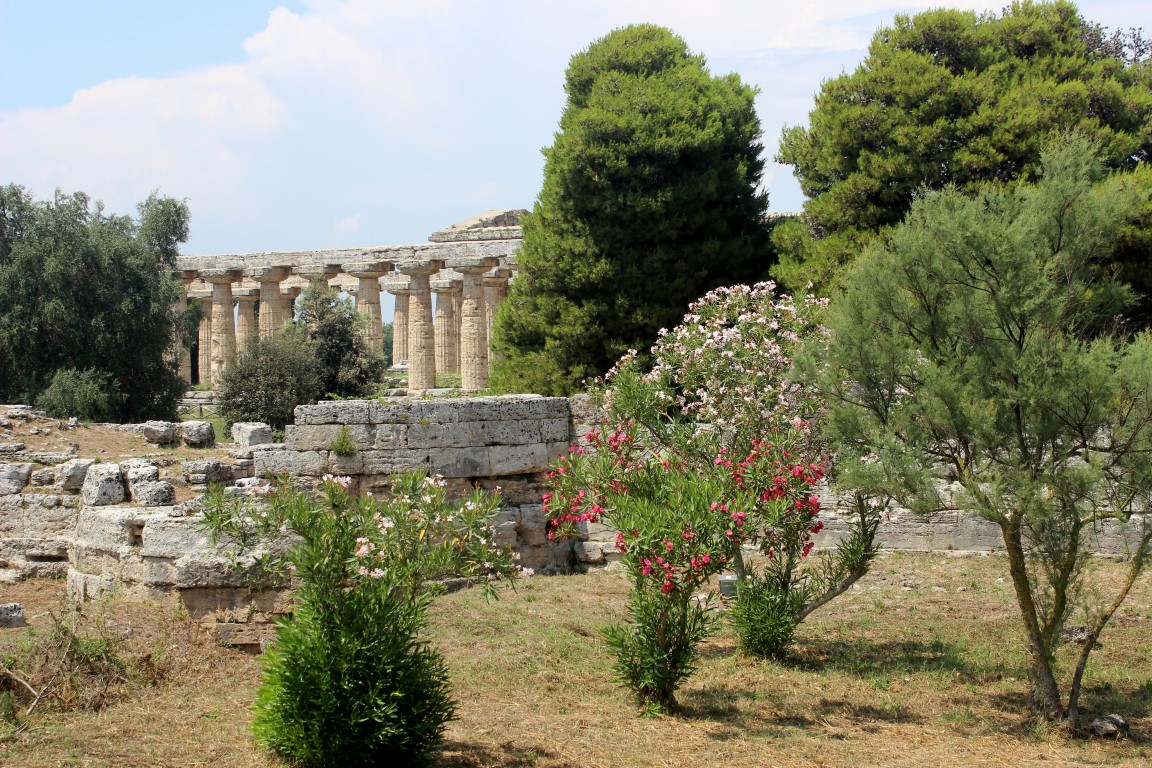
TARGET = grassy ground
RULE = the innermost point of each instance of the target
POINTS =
(919, 666)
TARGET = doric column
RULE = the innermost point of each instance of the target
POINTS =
(271, 301)
(421, 336)
(288, 296)
(223, 326)
(204, 340)
(368, 300)
(495, 289)
(246, 329)
(457, 301)
(447, 341)
(399, 324)
(473, 330)
(180, 352)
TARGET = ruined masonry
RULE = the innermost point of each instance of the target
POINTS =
(467, 266)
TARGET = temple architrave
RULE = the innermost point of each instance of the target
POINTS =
(466, 267)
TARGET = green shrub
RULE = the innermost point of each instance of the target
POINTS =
(764, 616)
(343, 445)
(88, 395)
(268, 380)
(350, 681)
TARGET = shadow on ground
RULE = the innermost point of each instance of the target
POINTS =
(507, 755)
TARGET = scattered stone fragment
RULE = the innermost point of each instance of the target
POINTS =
(12, 616)
(246, 433)
(139, 471)
(153, 493)
(11, 447)
(13, 477)
(1111, 726)
(42, 478)
(159, 432)
(70, 474)
(204, 471)
(198, 434)
(103, 485)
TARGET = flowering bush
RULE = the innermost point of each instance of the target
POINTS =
(715, 444)
(349, 681)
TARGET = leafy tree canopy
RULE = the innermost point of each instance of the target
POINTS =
(949, 97)
(85, 291)
(650, 198)
(973, 365)
(348, 367)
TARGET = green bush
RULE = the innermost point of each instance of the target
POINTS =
(268, 380)
(350, 681)
(764, 616)
(88, 395)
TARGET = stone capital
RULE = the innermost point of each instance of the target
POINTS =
(267, 274)
(420, 268)
(317, 271)
(220, 276)
(368, 270)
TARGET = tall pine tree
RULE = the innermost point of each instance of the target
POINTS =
(650, 199)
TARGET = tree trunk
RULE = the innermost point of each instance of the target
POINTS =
(1045, 692)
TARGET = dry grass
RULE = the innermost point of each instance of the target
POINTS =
(920, 666)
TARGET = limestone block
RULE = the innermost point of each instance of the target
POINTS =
(389, 436)
(158, 432)
(381, 413)
(153, 493)
(518, 459)
(393, 462)
(346, 465)
(83, 587)
(246, 433)
(532, 528)
(159, 572)
(203, 570)
(103, 485)
(198, 434)
(110, 530)
(12, 616)
(70, 474)
(320, 437)
(249, 635)
(42, 478)
(338, 412)
(591, 552)
(554, 430)
(11, 516)
(13, 477)
(139, 471)
(273, 463)
(173, 537)
(202, 472)
(47, 517)
(432, 434)
(474, 461)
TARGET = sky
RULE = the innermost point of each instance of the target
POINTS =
(316, 123)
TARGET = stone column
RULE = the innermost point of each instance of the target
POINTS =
(180, 352)
(288, 295)
(368, 301)
(447, 341)
(204, 341)
(271, 302)
(246, 330)
(399, 325)
(457, 303)
(421, 336)
(495, 289)
(223, 325)
(473, 330)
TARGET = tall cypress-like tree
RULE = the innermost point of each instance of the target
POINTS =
(650, 199)
(952, 98)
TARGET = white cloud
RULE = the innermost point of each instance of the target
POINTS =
(346, 226)
(122, 138)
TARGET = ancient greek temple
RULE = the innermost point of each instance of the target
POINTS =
(467, 267)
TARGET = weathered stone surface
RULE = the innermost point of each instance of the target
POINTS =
(13, 477)
(204, 471)
(391, 436)
(42, 478)
(103, 485)
(198, 434)
(153, 493)
(139, 471)
(338, 412)
(70, 474)
(158, 432)
(247, 433)
(518, 459)
(273, 463)
(1111, 726)
(12, 616)
(320, 437)
(11, 447)
(392, 462)
(461, 462)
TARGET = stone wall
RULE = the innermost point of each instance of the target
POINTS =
(496, 442)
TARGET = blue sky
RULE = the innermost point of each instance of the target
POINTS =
(316, 123)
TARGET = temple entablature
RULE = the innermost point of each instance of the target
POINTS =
(466, 267)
